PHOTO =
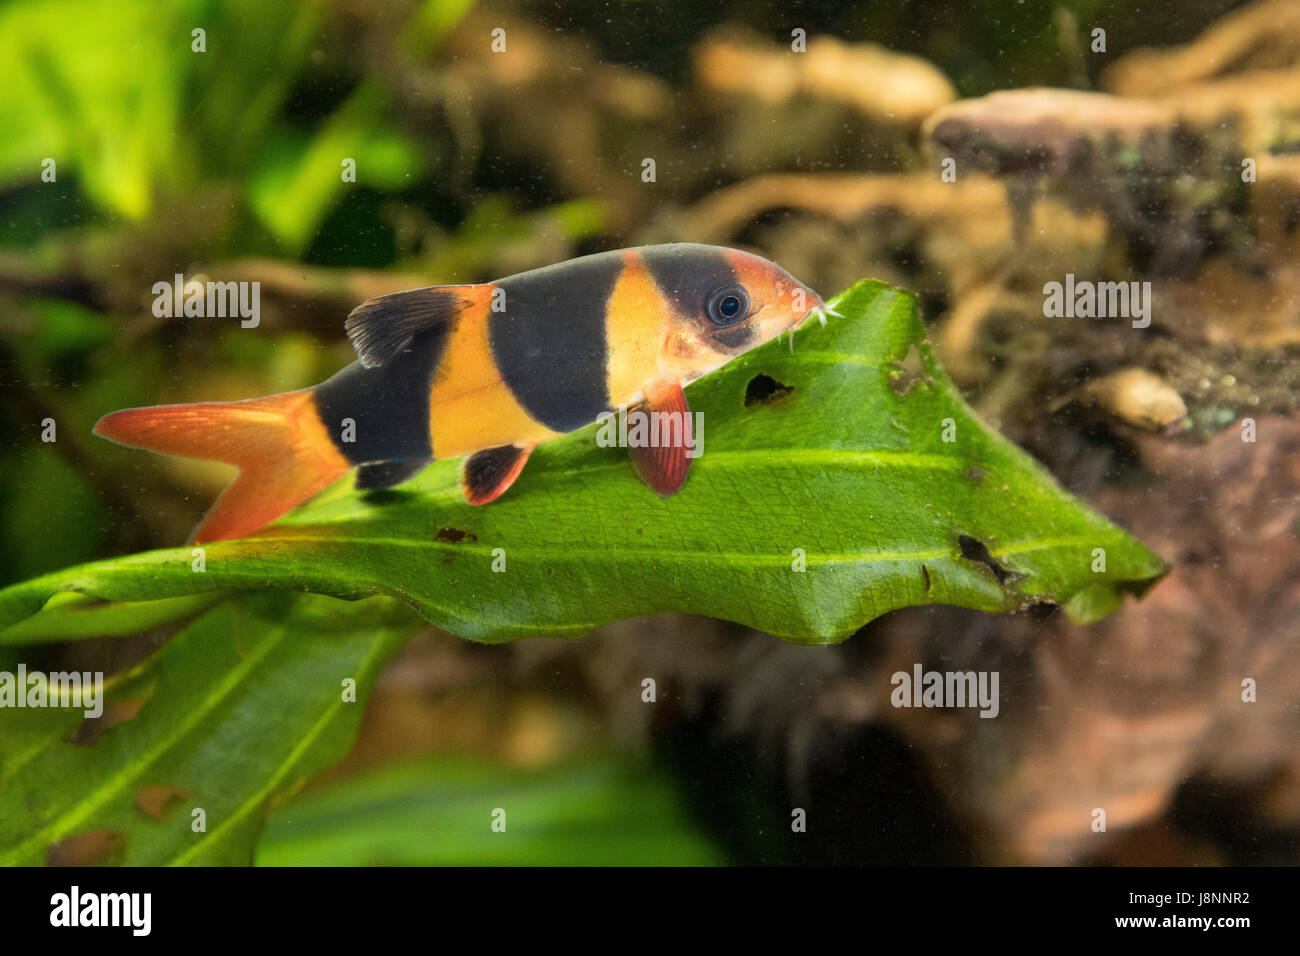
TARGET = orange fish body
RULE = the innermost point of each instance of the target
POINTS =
(489, 372)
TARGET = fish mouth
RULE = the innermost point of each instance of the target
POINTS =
(818, 308)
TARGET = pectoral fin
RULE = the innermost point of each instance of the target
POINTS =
(663, 460)
(485, 475)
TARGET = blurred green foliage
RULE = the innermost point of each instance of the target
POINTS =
(439, 812)
(123, 96)
(234, 713)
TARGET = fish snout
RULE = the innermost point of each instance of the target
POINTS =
(815, 303)
(803, 303)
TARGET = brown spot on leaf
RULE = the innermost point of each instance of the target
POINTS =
(160, 801)
(454, 535)
(101, 847)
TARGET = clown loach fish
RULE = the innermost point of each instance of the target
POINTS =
(488, 372)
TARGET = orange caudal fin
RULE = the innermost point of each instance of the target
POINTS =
(282, 450)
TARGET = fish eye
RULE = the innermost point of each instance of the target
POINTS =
(727, 306)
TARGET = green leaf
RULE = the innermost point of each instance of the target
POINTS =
(300, 177)
(77, 617)
(431, 24)
(848, 468)
(238, 711)
(97, 88)
(439, 813)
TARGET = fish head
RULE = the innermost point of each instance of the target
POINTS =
(723, 302)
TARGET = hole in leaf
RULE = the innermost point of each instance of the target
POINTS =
(454, 535)
(973, 549)
(99, 847)
(764, 389)
(909, 372)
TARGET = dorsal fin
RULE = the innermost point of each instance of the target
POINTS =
(379, 327)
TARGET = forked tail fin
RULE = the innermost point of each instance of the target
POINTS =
(283, 452)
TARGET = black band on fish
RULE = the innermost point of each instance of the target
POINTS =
(549, 341)
(688, 274)
(387, 407)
